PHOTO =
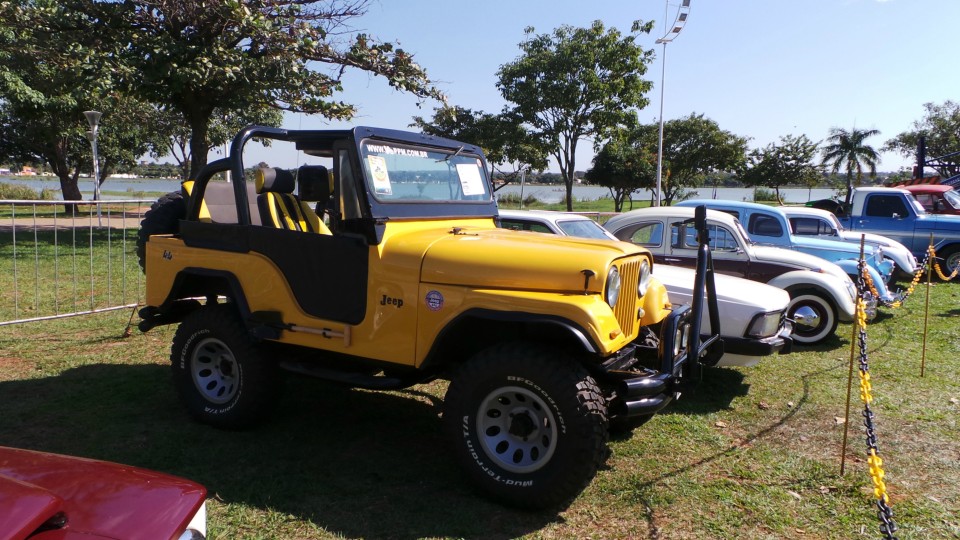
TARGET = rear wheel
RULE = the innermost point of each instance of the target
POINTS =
(815, 318)
(528, 423)
(220, 373)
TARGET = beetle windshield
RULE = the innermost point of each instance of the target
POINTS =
(584, 228)
(401, 173)
(953, 198)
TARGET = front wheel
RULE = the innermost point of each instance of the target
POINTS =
(219, 372)
(814, 318)
(951, 260)
(528, 424)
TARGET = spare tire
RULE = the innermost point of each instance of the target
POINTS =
(163, 217)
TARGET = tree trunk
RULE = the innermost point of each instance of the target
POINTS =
(198, 143)
(846, 201)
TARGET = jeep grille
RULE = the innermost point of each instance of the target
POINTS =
(626, 308)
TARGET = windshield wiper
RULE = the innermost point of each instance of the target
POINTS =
(451, 156)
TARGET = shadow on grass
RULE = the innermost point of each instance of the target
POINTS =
(359, 464)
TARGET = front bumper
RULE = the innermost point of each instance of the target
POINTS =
(749, 346)
(645, 391)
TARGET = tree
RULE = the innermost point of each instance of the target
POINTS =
(503, 139)
(941, 130)
(574, 84)
(693, 148)
(623, 168)
(789, 162)
(847, 150)
(174, 139)
(196, 57)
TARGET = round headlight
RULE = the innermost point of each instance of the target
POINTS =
(644, 280)
(613, 286)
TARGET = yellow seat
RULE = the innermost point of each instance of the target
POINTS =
(280, 208)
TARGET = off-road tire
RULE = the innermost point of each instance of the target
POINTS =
(528, 424)
(163, 217)
(220, 373)
(825, 310)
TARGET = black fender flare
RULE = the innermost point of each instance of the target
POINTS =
(464, 320)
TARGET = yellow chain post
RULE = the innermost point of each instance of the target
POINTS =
(860, 309)
(926, 312)
(887, 525)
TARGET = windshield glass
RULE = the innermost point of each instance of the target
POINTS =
(400, 173)
(953, 198)
(584, 228)
(917, 206)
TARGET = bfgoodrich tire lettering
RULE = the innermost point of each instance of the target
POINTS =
(219, 371)
(528, 424)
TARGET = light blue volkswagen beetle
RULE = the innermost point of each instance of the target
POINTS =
(769, 226)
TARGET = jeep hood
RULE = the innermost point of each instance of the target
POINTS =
(506, 259)
(95, 498)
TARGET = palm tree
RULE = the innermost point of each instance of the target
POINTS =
(847, 150)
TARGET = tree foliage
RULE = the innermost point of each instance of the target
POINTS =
(623, 166)
(505, 142)
(694, 147)
(941, 130)
(789, 162)
(849, 151)
(574, 84)
(195, 57)
(44, 89)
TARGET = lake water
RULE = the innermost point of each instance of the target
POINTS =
(128, 187)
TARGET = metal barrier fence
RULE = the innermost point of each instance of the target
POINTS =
(66, 259)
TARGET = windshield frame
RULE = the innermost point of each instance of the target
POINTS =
(384, 209)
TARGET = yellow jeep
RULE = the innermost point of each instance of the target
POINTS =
(380, 266)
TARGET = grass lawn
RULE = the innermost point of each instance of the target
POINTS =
(754, 453)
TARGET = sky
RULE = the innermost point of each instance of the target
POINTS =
(761, 69)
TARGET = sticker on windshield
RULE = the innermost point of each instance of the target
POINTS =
(471, 182)
(381, 179)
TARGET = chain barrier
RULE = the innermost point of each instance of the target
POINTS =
(887, 526)
(932, 255)
(913, 283)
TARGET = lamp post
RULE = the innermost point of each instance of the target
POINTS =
(93, 118)
(678, 24)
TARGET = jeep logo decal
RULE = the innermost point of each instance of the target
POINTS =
(434, 301)
(388, 301)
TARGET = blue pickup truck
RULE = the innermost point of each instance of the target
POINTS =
(769, 226)
(896, 214)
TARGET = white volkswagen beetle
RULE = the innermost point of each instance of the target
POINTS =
(752, 321)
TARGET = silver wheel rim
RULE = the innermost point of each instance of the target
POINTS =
(951, 263)
(807, 317)
(214, 370)
(814, 311)
(516, 429)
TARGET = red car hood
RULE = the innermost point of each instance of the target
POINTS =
(86, 498)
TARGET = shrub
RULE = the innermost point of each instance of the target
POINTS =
(764, 194)
(24, 193)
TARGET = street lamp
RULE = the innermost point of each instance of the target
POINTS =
(93, 118)
(678, 24)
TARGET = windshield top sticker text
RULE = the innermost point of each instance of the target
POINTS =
(380, 149)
